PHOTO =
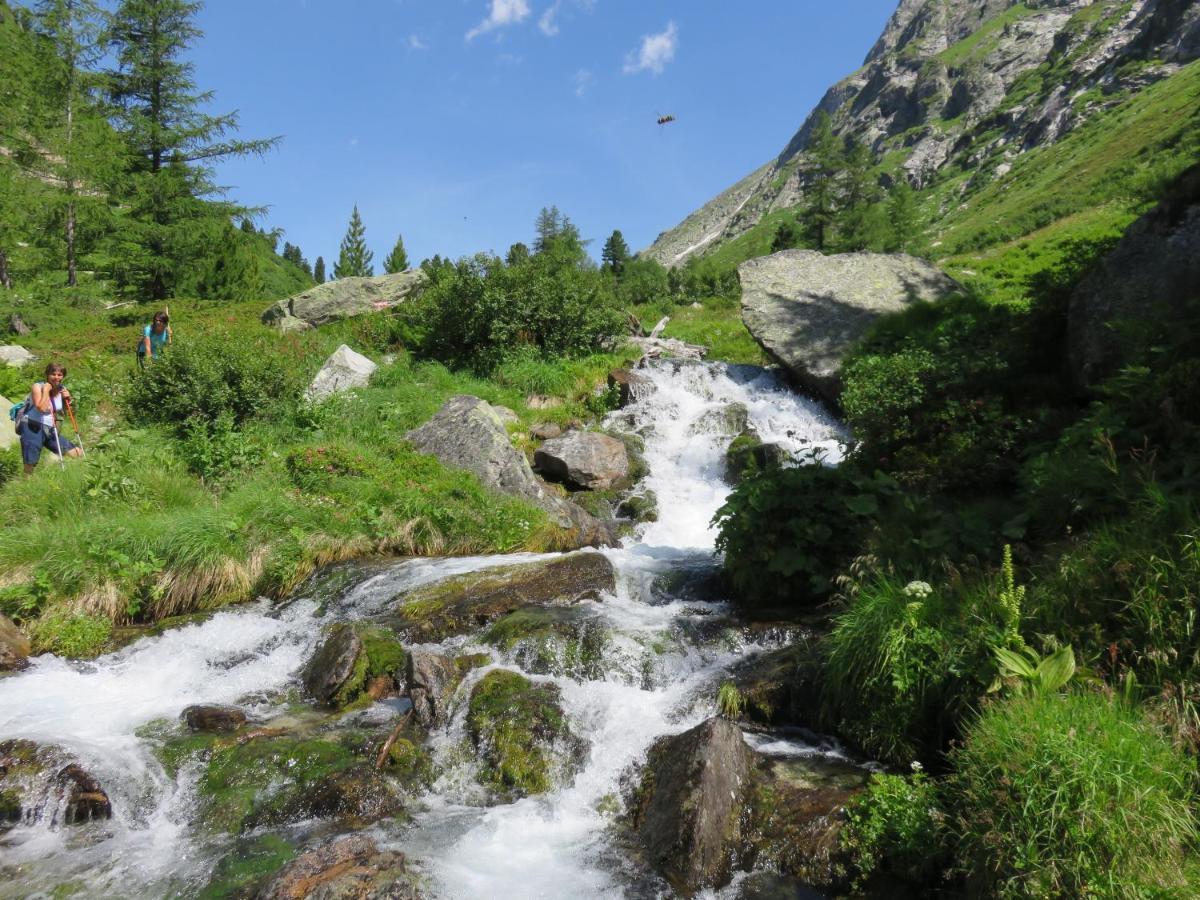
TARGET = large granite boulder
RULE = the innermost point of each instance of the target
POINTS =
(586, 460)
(345, 369)
(468, 433)
(14, 646)
(808, 310)
(342, 299)
(1149, 277)
(686, 812)
(14, 355)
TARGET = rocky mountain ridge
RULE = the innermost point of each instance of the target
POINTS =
(958, 85)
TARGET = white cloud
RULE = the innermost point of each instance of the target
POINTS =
(504, 12)
(583, 79)
(354, 142)
(546, 23)
(415, 43)
(656, 51)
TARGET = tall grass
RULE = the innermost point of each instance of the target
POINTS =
(1071, 796)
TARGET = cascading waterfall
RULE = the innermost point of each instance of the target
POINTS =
(659, 677)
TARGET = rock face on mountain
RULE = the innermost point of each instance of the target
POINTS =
(972, 82)
(1150, 275)
(342, 299)
(807, 310)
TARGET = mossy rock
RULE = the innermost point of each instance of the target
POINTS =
(640, 507)
(353, 655)
(748, 454)
(247, 866)
(521, 734)
(782, 687)
(278, 780)
(553, 640)
(465, 603)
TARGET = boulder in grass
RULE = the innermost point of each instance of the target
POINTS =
(808, 310)
(8, 437)
(343, 299)
(15, 355)
(586, 460)
(345, 369)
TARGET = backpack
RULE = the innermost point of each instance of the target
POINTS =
(18, 411)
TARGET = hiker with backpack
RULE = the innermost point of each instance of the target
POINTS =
(38, 419)
(155, 337)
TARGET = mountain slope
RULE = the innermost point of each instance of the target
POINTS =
(955, 94)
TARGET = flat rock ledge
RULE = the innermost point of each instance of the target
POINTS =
(808, 310)
(342, 299)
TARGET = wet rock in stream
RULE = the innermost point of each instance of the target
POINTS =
(356, 661)
(523, 738)
(41, 781)
(567, 641)
(352, 868)
(432, 679)
(213, 717)
(465, 603)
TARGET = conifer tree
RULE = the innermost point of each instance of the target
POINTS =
(548, 226)
(354, 259)
(397, 260)
(518, 254)
(859, 194)
(825, 163)
(615, 253)
(73, 29)
(173, 144)
(318, 272)
(902, 216)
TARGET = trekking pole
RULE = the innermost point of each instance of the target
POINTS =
(58, 446)
(75, 425)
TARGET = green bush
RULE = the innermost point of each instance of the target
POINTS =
(478, 313)
(786, 533)
(896, 828)
(1070, 796)
(215, 450)
(70, 635)
(209, 377)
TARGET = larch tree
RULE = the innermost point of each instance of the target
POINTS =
(354, 259)
(825, 161)
(615, 253)
(172, 203)
(319, 270)
(397, 260)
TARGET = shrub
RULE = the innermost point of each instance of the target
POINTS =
(786, 533)
(209, 377)
(74, 636)
(481, 311)
(215, 450)
(1070, 796)
(895, 827)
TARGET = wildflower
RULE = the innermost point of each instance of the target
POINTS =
(918, 589)
(916, 766)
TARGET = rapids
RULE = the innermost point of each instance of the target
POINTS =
(661, 673)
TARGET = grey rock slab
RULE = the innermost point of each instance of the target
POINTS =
(342, 299)
(808, 310)
(686, 813)
(8, 437)
(583, 459)
(345, 369)
(431, 679)
(15, 355)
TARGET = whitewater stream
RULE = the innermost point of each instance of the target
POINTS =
(672, 643)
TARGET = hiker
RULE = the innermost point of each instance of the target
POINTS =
(38, 424)
(155, 337)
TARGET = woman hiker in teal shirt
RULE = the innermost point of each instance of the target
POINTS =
(154, 338)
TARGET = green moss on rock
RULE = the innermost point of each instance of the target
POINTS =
(247, 865)
(515, 724)
(553, 640)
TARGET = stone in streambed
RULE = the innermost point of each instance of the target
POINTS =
(748, 454)
(213, 718)
(630, 386)
(351, 660)
(569, 640)
(686, 810)
(40, 780)
(782, 687)
(585, 460)
(14, 646)
(432, 679)
(465, 603)
(523, 739)
(727, 419)
(350, 868)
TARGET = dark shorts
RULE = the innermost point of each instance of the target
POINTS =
(35, 437)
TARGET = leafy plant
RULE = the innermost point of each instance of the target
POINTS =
(1027, 673)
(730, 701)
(895, 827)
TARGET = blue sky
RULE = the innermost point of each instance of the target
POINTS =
(452, 122)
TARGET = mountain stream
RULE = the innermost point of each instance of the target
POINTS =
(671, 645)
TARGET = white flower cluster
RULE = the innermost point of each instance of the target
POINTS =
(918, 589)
